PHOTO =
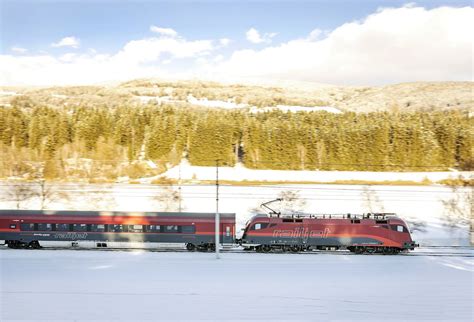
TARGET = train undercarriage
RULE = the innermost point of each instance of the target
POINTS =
(205, 247)
(301, 248)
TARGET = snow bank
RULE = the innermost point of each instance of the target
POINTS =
(186, 171)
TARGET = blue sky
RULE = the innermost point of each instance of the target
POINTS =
(107, 25)
(29, 28)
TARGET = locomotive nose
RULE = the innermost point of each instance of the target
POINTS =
(410, 245)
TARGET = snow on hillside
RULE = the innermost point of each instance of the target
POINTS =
(159, 99)
(230, 104)
(214, 103)
(8, 93)
(294, 109)
(186, 171)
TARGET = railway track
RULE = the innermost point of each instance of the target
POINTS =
(429, 251)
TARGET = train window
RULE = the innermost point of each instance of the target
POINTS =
(45, 227)
(188, 229)
(62, 227)
(399, 228)
(298, 220)
(79, 227)
(171, 229)
(288, 220)
(27, 227)
(381, 222)
(135, 228)
(115, 228)
(355, 221)
(97, 228)
(153, 228)
(259, 226)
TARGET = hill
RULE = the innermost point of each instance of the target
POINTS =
(419, 96)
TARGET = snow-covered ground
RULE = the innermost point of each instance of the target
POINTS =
(229, 104)
(421, 206)
(133, 286)
(186, 171)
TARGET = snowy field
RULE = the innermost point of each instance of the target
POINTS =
(80, 285)
(186, 171)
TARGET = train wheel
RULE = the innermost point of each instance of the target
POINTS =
(370, 250)
(389, 251)
(359, 250)
(190, 247)
(203, 248)
(295, 248)
(12, 244)
(35, 244)
(266, 248)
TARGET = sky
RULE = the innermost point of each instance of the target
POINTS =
(368, 42)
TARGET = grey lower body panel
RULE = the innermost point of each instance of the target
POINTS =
(110, 237)
(326, 241)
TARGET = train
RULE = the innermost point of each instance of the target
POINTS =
(272, 232)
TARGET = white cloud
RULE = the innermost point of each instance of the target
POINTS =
(70, 41)
(224, 41)
(315, 34)
(150, 49)
(254, 36)
(18, 50)
(218, 58)
(429, 45)
(138, 58)
(68, 58)
(164, 31)
(391, 45)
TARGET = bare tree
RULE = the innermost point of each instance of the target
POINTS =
(48, 194)
(20, 192)
(169, 198)
(459, 209)
(371, 201)
(291, 201)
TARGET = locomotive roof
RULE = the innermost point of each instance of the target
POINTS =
(110, 213)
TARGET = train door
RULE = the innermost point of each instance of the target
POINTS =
(227, 232)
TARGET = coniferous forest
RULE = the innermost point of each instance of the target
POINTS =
(111, 139)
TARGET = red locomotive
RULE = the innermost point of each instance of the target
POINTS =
(28, 228)
(370, 233)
